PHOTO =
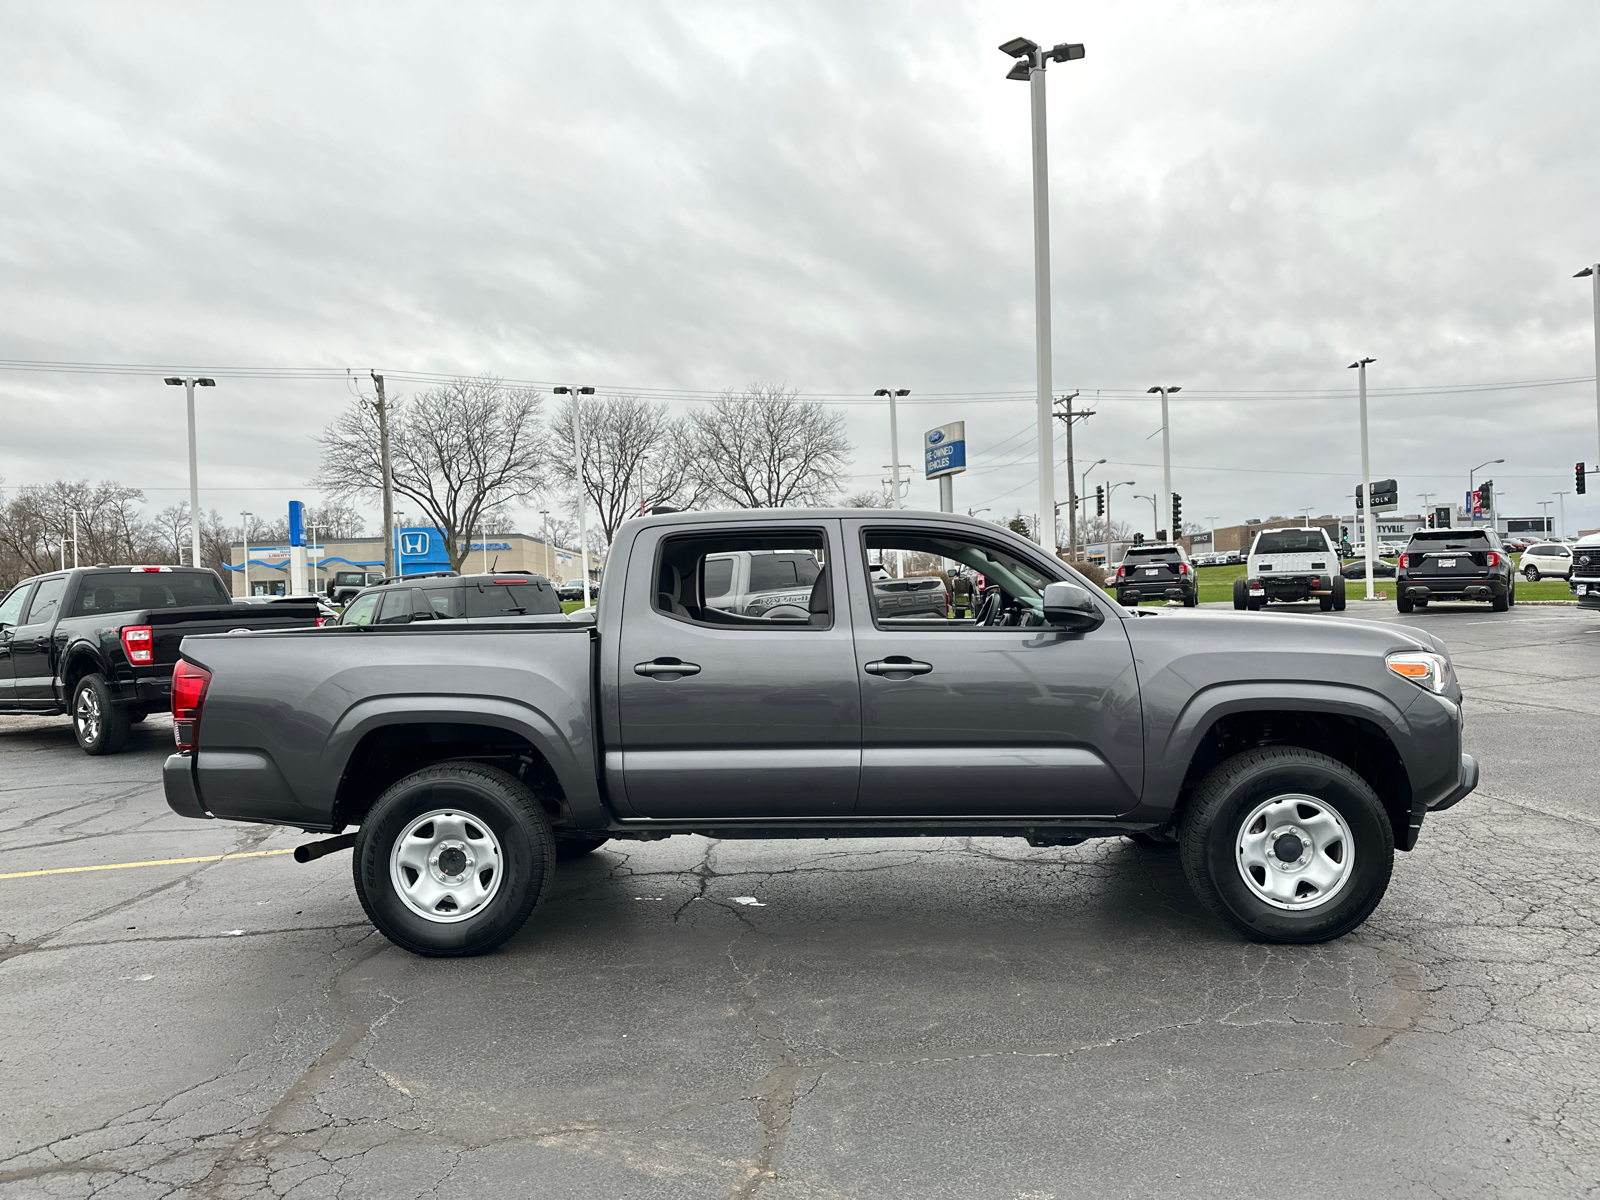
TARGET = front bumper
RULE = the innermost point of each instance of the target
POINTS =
(1469, 781)
(1586, 591)
(183, 794)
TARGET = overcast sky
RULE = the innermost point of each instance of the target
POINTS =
(1245, 198)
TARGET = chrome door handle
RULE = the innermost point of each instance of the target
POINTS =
(897, 666)
(666, 669)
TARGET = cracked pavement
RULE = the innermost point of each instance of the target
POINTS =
(910, 1017)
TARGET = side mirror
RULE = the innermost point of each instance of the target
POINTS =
(1071, 607)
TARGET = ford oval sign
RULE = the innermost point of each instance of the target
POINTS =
(935, 437)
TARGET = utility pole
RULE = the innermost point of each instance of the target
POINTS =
(388, 480)
(1068, 417)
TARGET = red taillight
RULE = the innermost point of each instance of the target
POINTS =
(321, 621)
(189, 684)
(1494, 559)
(138, 642)
(1405, 561)
(1122, 572)
(1183, 568)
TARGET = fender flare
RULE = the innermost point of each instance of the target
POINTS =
(569, 763)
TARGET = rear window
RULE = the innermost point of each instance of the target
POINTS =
(774, 572)
(1292, 541)
(1449, 539)
(1154, 554)
(351, 579)
(124, 591)
(530, 598)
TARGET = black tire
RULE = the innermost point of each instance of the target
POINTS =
(1501, 602)
(1190, 599)
(1210, 831)
(571, 845)
(1325, 603)
(1531, 573)
(1401, 603)
(1241, 595)
(500, 807)
(1338, 593)
(1254, 605)
(100, 726)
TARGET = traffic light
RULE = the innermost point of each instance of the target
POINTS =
(1579, 485)
(1486, 493)
(1177, 515)
(1100, 498)
(1430, 520)
(1138, 539)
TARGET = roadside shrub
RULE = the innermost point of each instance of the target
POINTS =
(1091, 571)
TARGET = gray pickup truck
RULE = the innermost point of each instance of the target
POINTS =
(1285, 759)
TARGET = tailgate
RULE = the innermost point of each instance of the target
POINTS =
(1292, 564)
(1152, 572)
(1448, 562)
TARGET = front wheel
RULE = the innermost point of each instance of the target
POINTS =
(100, 726)
(1287, 845)
(1531, 573)
(452, 859)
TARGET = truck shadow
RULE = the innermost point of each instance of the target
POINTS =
(149, 739)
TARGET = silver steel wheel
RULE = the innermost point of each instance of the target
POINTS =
(1295, 852)
(88, 716)
(446, 865)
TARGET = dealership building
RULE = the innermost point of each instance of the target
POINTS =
(418, 549)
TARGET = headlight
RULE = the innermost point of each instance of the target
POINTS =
(1422, 667)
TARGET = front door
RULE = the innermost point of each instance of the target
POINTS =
(995, 715)
(754, 713)
(10, 617)
(31, 658)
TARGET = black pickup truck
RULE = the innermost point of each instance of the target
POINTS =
(99, 643)
(1287, 760)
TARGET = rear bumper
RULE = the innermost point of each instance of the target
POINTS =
(1162, 591)
(1469, 781)
(178, 782)
(1475, 588)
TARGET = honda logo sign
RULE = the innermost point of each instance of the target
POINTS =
(413, 543)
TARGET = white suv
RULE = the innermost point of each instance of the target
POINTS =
(1546, 558)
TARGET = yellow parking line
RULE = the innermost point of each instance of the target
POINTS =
(155, 862)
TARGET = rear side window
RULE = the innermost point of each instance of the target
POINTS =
(46, 604)
(719, 577)
(1292, 541)
(785, 569)
(516, 598)
(110, 592)
(445, 602)
(694, 577)
(362, 609)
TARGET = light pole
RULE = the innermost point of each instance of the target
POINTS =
(545, 513)
(1030, 66)
(189, 384)
(1593, 275)
(1561, 513)
(1213, 521)
(1111, 487)
(1155, 515)
(1544, 517)
(894, 438)
(1369, 529)
(1472, 484)
(1166, 457)
(244, 529)
(583, 504)
(1084, 498)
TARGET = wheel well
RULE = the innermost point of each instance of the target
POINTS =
(1359, 744)
(390, 753)
(80, 664)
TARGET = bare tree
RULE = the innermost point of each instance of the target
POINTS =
(461, 452)
(866, 499)
(635, 454)
(764, 447)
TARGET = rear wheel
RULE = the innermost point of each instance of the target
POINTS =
(99, 725)
(1190, 599)
(452, 859)
(1241, 595)
(1501, 602)
(1287, 845)
(1401, 602)
(1338, 593)
(1325, 603)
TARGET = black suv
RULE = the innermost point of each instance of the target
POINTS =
(1156, 573)
(1455, 564)
(442, 596)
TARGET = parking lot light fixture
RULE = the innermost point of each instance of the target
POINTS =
(1166, 455)
(583, 504)
(1030, 67)
(1369, 529)
(1592, 274)
(894, 438)
(188, 385)
(1111, 487)
(1472, 478)
(1155, 514)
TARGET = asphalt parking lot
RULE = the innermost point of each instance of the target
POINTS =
(906, 1018)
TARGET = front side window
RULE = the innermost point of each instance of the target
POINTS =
(47, 601)
(398, 604)
(940, 581)
(362, 609)
(785, 582)
(11, 606)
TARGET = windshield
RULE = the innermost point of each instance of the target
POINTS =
(1292, 541)
(1450, 539)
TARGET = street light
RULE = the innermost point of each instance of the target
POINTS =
(1084, 500)
(1561, 512)
(1111, 487)
(189, 384)
(1155, 515)
(1472, 484)
(1166, 455)
(244, 529)
(1593, 274)
(583, 505)
(1369, 528)
(1544, 517)
(1030, 66)
(894, 437)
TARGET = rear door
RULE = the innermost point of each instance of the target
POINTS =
(762, 715)
(1012, 717)
(11, 609)
(32, 659)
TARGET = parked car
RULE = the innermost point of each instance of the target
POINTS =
(1291, 566)
(1381, 569)
(1156, 573)
(1455, 564)
(345, 584)
(1584, 582)
(1546, 558)
(1287, 758)
(450, 597)
(98, 644)
(573, 589)
(327, 614)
